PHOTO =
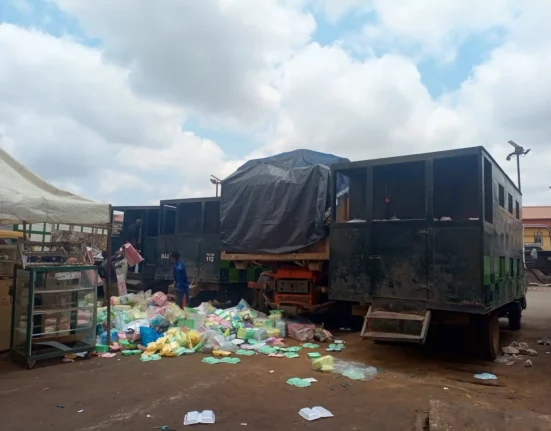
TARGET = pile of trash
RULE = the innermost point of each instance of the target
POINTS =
(149, 325)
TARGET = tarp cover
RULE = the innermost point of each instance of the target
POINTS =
(277, 204)
(24, 197)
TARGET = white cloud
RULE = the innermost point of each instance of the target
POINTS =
(215, 56)
(109, 120)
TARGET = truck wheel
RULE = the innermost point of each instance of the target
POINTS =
(487, 328)
(515, 315)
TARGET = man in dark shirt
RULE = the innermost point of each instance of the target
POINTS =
(133, 234)
(180, 280)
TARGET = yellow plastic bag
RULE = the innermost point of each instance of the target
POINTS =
(324, 364)
(152, 347)
(220, 353)
(194, 337)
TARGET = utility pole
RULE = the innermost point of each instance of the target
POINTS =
(519, 151)
(216, 181)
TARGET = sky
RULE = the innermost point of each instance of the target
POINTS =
(133, 101)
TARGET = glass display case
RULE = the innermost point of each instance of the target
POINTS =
(54, 311)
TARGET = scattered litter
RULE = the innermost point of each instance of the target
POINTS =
(446, 389)
(107, 355)
(243, 424)
(80, 411)
(211, 361)
(310, 379)
(237, 341)
(271, 371)
(310, 346)
(60, 406)
(345, 329)
(544, 342)
(67, 360)
(291, 355)
(531, 352)
(205, 417)
(245, 352)
(528, 364)
(352, 370)
(485, 376)
(314, 413)
(314, 355)
(298, 382)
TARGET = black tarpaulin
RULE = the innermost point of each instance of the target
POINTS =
(277, 204)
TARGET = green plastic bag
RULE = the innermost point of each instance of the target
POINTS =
(291, 355)
(294, 349)
(298, 382)
(211, 361)
(310, 346)
(230, 360)
(314, 355)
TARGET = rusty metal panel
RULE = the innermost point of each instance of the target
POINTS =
(456, 263)
(348, 265)
(401, 247)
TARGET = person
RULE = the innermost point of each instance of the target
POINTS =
(133, 234)
(102, 270)
(180, 279)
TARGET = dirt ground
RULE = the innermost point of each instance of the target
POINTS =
(126, 394)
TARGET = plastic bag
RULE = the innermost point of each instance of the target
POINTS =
(135, 325)
(173, 313)
(159, 299)
(148, 335)
(211, 340)
(354, 370)
(301, 331)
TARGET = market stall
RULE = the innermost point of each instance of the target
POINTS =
(53, 280)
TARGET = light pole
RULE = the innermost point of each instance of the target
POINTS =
(519, 151)
(216, 181)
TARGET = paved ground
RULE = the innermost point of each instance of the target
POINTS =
(126, 394)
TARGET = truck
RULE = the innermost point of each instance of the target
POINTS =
(429, 238)
(192, 227)
(275, 213)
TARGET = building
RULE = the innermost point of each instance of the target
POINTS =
(537, 222)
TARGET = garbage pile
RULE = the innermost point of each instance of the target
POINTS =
(152, 327)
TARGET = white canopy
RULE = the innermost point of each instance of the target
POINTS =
(25, 197)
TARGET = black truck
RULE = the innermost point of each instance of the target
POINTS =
(427, 238)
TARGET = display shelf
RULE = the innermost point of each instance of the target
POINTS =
(54, 310)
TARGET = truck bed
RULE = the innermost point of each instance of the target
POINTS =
(317, 251)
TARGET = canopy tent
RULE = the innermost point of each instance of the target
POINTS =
(26, 198)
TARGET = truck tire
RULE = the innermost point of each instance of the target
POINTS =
(514, 315)
(487, 336)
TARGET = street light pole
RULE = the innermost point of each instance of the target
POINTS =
(519, 151)
(216, 181)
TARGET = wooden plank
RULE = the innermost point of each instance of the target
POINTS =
(395, 316)
(317, 251)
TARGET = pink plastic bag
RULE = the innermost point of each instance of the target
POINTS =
(159, 299)
(131, 255)
(301, 331)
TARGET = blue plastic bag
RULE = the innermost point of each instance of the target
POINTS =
(148, 335)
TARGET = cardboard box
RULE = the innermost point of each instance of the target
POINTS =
(5, 314)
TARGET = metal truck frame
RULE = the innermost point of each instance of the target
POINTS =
(430, 237)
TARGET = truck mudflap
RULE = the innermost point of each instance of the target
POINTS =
(381, 325)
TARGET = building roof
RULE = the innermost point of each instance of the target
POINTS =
(536, 213)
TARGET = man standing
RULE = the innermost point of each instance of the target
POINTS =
(133, 234)
(180, 280)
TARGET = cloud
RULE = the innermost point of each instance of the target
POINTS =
(214, 56)
(109, 119)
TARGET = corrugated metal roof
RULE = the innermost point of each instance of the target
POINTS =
(536, 213)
